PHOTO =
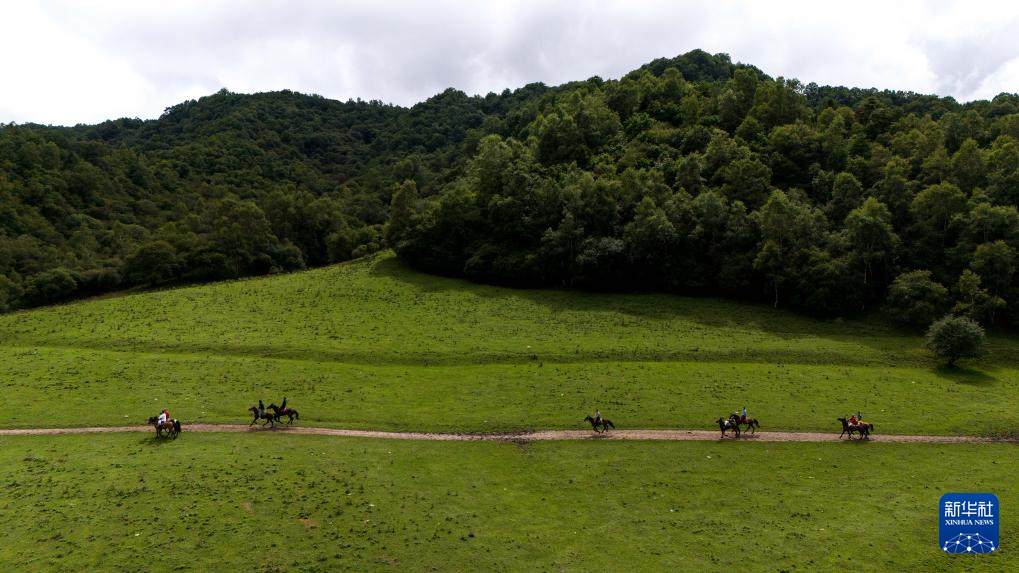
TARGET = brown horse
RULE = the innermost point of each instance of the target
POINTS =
(263, 415)
(604, 423)
(170, 427)
(750, 423)
(864, 429)
(278, 413)
(727, 425)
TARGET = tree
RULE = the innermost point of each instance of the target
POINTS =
(649, 237)
(788, 227)
(746, 180)
(995, 263)
(401, 212)
(969, 168)
(846, 195)
(153, 263)
(50, 286)
(955, 337)
(915, 298)
(973, 301)
(10, 292)
(871, 236)
(933, 209)
(575, 129)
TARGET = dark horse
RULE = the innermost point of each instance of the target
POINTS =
(268, 417)
(751, 423)
(278, 413)
(727, 425)
(604, 423)
(864, 428)
(171, 428)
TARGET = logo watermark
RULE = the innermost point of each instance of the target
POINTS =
(969, 523)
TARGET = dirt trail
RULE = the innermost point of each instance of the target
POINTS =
(543, 435)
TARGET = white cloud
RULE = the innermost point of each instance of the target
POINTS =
(68, 62)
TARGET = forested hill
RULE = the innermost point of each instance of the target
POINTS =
(690, 175)
(230, 185)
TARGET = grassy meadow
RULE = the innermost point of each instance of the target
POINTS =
(372, 344)
(275, 502)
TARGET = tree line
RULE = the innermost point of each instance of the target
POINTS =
(690, 175)
(826, 200)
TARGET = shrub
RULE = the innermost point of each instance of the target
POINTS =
(955, 337)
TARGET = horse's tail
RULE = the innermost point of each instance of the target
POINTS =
(610, 424)
(176, 425)
(296, 415)
(756, 423)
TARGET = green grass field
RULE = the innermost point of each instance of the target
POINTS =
(372, 344)
(271, 502)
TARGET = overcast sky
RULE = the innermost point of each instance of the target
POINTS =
(67, 62)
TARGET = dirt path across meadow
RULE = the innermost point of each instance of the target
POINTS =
(543, 435)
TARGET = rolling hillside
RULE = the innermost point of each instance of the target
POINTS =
(372, 344)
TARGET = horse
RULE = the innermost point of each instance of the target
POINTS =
(727, 425)
(752, 424)
(278, 413)
(604, 423)
(263, 415)
(864, 428)
(170, 427)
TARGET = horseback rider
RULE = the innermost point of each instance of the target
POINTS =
(283, 406)
(164, 416)
(597, 417)
(854, 421)
(261, 409)
(743, 418)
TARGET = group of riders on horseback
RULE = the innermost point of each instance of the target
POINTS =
(165, 425)
(277, 413)
(855, 424)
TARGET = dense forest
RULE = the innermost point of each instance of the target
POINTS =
(691, 175)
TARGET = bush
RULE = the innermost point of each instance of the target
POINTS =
(955, 337)
(50, 286)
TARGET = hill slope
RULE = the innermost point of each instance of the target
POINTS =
(373, 344)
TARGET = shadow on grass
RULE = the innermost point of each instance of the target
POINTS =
(965, 375)
(870, 329)
(151, 439)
